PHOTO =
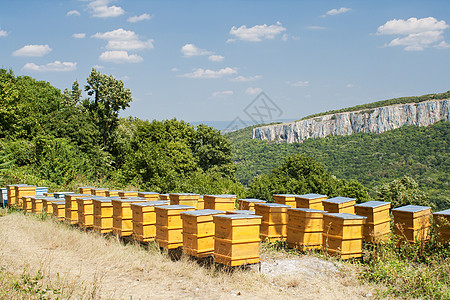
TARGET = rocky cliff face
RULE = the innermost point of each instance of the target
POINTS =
(372, 120)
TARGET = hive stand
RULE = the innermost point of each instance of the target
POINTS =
(184, 199)
(169, 226)
(198, 232)
(236, 240)
(103, 214)
(150, 196)
(101, 192)
(47, 205)
(240, 211)
(23, 191)
(71, 213)
(220, 202)
(343, 234)
(412, 222)
(287, 199)
(274, 220)
(112, 193)
(164, 197)
(88, 190)
(144, 219)
(249, 204)
(305, 228)
(340, 205)
(59, 208)
(85, 212)
(442, 219)
(313, 201)
(123, 216)
(128, 194)
(378, 223)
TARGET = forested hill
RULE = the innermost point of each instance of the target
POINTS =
(373, 159)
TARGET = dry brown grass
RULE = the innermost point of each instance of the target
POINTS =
(78, 264)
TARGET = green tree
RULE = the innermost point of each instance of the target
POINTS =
(107, 97)
(401, 192)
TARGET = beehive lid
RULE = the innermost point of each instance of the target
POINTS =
(373, 204)
(87, 187)
(339, 200)
(169, 207)
(42, 188)
(443, 213)
(273, 205)
(411, 208)
(241, 211)
(308, 210)
(151, 203)
(310, 196)
(203, 212)
(148, 193)
(222, 196)
(346, 216)
(253, 200)
(130, 198)
(238, 216)
(59, 202)
(42, 197)
(103, 199)
(285, 195)
(184, 194)
(18, 185)
(65, 193)
(167, 195)
(115, 191)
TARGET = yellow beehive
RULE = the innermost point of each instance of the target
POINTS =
(58, 208)
(378, 223)
(313, 201)
(343, 234)
(103, 215)
(36, 204)
(48, 194)
(25, 201)
(11, 192)
(71, 214)
(99, 192)
(150, 196)
(287, 199)
(47, 205)
(169, 226)
(184, 199)
(89, 190)
(339, 205)
(201, 202)
(85, 212)
(236, 240)
(112, 193)
(164, 197)
(220, 202)
(198, 232)
(442, 219)
(305, 228)
(249, 204)
(22, 190)
(412, 222)
(144, 219)
(240, 211)
(274, 220)
(123, 216)
(126, 194)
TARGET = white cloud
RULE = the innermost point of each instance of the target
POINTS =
(253, 91)
(55, 66)
(100, 9)
(442, 45)
(246, 79)
(316, 27)
(98, 67)
(33, 50)
(121, 39)
(284, 38)
(256, 33)
(73, 13)
(207, 73)
(175, 70)
(298, 83)
(3, 33)
(336, 11)
(222, 93)
(415, 34)
(118, 57)
(349, 85)
(79, 35)
(216, 58)
(142, 17)
(190, 50)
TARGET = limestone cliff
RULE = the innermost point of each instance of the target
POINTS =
(373, 120)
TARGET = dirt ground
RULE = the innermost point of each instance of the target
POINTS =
(86, 265)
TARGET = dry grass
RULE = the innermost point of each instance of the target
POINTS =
(42, 257)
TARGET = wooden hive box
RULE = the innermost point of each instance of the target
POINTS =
(4, 196)
(287, 199)
(220, 202)
(442, 220)
(11, 194)
(49, 195)
(151, 196)
(27, 206)
(198, 232)
(274, 220)
(249, 204)
(103, 214)
(164, 197)
(99, 192)
(412, 222)
(343, 234)
(240, 211)
(88, 190)
(378, 223)
(313, 201)
(339, 205)
(184, 199)
(24, 190)
(71, 210)
(125, 194)
(58, 208)
(112, 193)
(236, 240)
(169, 226)
(144, 219)
(37, 204)
(305, 228)
(47, 205)
(123, 216)
(85, 212)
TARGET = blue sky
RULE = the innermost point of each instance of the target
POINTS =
(207, 60)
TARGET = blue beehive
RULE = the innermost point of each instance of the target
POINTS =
(40, 190)
(4, 196)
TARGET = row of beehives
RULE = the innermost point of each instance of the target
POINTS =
(233, 235)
